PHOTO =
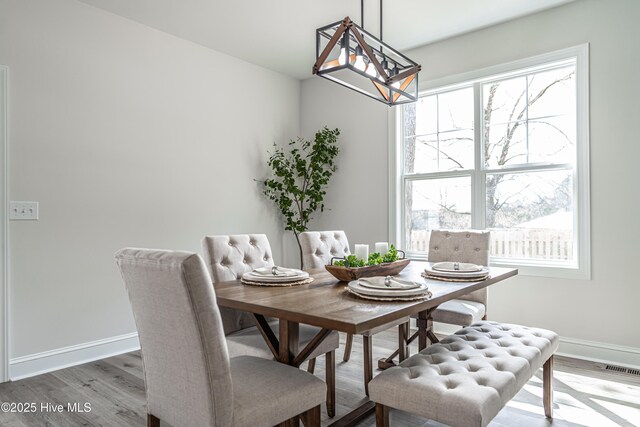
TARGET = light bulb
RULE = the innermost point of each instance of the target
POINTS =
(359, 63)
(371, 70)
(342, 59)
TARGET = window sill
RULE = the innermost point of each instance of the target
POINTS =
(551, 271)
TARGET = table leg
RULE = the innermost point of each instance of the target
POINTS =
(403, 348)
(288, 341)
(288, 349)
(423, 326)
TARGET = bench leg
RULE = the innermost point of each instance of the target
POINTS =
(547, 387)
(382, 415)
(330, 378)
(153, 421)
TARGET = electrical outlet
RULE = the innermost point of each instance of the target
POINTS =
(23, 211)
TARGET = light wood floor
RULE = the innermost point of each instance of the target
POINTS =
(585, 394)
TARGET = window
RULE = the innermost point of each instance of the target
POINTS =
(504, 149)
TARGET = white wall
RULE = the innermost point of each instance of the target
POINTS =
(603, 310)
(356, 199)
(127, 137)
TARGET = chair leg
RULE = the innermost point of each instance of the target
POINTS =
(367, 344)
(311, 366)
(330, 378)
(347, 348)
(547, 387)
(311, 418)
(382, 415)
(153, 421)
(293, 422)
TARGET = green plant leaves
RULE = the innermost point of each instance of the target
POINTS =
(300, 177)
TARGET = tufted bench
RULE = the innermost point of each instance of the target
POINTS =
(468, 377)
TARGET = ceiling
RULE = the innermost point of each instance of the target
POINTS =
(280, 34)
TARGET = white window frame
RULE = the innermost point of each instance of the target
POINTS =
(582, 221)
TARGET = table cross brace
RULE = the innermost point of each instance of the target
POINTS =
(274, 344)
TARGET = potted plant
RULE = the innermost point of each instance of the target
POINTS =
(300, 175)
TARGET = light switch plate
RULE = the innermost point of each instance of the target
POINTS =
(23, 211)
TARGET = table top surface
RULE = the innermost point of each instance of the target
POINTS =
(327, 304)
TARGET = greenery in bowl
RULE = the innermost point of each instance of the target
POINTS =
(374, 259)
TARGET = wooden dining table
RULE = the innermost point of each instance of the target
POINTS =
(327, 304)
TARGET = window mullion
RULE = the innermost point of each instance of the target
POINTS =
(438, 131)
(478, 190)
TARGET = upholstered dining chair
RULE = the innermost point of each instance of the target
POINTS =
(228, 257)
(318, 247)
(459, 246)
(189, 378)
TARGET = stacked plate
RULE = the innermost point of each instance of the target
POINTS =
(276, 276)
(456, 272)
(388, 288)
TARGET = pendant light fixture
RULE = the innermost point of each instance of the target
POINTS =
(354, 58)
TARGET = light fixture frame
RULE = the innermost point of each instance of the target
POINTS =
(350, 35)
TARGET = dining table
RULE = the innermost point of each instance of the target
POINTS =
(327, 304)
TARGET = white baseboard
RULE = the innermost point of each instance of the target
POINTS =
(582, 349)
(600, 352)
(52, 360)
(40, 363)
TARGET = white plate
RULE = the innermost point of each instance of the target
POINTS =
(463, 274)
(463, 267)
(378, 282)
(392, 298)
(356, 287)
(280, 272)
(250, 276)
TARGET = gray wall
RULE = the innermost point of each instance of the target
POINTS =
(602, 310)
(127, 137)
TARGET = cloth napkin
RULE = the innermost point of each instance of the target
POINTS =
(462, 267)
(280, 272)
(378, 282)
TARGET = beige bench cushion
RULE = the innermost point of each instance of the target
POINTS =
(467, 378)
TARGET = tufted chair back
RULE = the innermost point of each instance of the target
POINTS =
(186, 364)
(461, 246)
(228, 257)
(318, 247)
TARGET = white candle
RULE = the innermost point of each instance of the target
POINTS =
(382, 248)
(362, 251)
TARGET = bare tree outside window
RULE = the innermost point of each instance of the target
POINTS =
(527, 156)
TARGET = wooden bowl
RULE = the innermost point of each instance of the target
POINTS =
(354, 273)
